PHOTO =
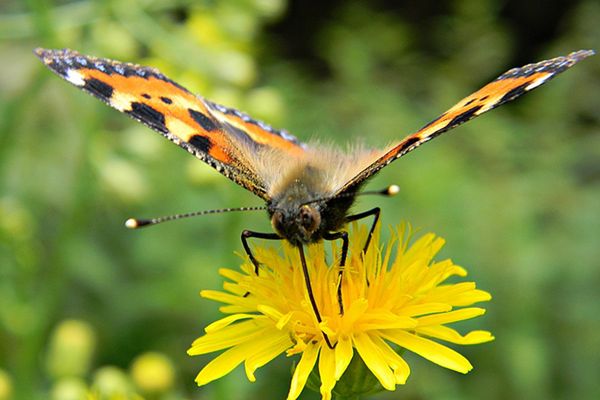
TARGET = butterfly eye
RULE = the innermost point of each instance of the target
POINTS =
(277, 221)
(310, 218)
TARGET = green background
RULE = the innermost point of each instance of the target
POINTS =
(516, 193)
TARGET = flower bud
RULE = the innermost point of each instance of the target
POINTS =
(69, 388)
(111, 382)
(70, 350)
(6, 388)
(152, 373)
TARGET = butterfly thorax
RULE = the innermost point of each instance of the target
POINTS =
(302, 213)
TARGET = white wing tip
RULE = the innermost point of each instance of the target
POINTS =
(75, 77)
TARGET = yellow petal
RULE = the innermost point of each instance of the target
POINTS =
(450, 335)
(355, 311)
(227, 361)
(372, 356)
(470, 297)
(401, 371)
(446, 293)
(445, 269)
(233, 309)
(231, 274)
(226, 337)
(384, 319)
(399, 367)
(267, 348)
(235, 288)
(459, 294)
(303, 369)
(452, 316)
(427, 308)
(224, 297)
(426, 246)
(430, 350)
(269, 311)
(343, 356)
(223, 322)
(283, 321)
(327, 372)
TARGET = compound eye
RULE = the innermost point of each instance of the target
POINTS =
(277, 221)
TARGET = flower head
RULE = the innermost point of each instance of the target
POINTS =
(394, 297)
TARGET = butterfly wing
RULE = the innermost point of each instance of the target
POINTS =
(217, 135)
(503, 89)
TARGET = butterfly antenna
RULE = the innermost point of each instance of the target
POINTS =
(389, 191)
(134, 223)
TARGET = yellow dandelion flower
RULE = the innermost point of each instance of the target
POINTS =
(394, 297)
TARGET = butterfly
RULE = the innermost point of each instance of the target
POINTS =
(308, 188)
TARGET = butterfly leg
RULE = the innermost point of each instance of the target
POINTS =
(375, 213)
(311, 296)
(344, 236)
(246, 234)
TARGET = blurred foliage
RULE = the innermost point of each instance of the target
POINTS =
(515, 193)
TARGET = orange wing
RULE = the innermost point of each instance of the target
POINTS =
(211, 132)
(505, 88)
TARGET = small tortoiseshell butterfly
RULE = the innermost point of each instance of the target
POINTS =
(308, 189)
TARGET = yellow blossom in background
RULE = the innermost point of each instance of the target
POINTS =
(153, 372)
(394, 297)
(6, 386)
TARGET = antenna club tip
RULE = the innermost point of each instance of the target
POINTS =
(392, 190)
(132, 223)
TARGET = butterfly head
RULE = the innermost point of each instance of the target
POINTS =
(298, 224)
